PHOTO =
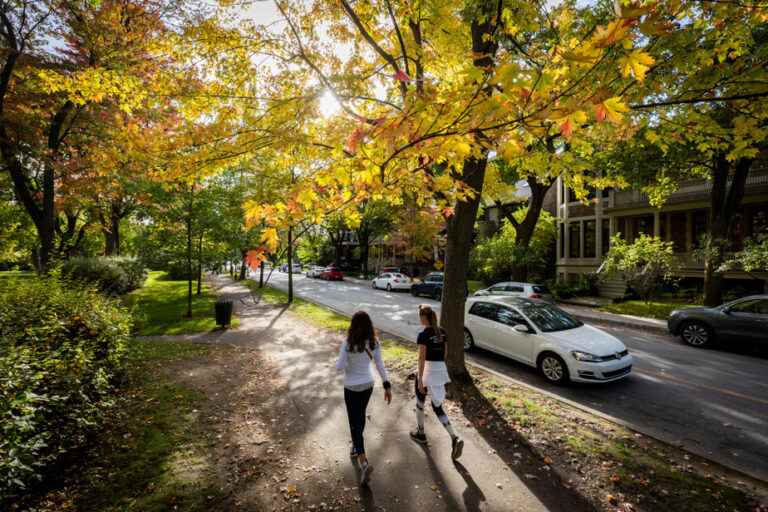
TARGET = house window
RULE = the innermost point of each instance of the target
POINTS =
(574, 240)
(590, 238)
(643, 225)
(699, 220)
(606, 241)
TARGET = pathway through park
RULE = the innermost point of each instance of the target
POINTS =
(282, 439)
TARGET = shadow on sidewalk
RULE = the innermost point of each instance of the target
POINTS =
(515, 451)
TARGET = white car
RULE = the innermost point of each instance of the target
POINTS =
(514, 289)
(391, 281)
(546, 337)
(314, 271)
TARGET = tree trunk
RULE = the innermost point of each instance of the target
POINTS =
(290, 264)
(243, 265)
(200, 264)
(460, 229)
(189, 254)
(461, 225)
(110, 228)
(261, 275)
(724, 202)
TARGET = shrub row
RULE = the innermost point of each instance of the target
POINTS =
(61, 348)
(112, 275)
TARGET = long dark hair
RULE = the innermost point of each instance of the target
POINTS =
(360, 331)
(427, 312)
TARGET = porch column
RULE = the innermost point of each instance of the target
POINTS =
(599, 225)
(656, 224)
(688, 231)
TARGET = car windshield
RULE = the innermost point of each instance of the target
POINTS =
(550, 318)
(540, 289)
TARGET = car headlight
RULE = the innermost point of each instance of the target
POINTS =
(586, 356)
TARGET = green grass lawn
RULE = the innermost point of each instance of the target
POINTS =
(160, 306)
(317, 315)
(653, 309)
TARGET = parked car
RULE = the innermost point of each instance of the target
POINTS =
(431, 286)
(514, 289)
(314, 271)
(396, 270)
(391, 281)
(745, 319)
(296, 268)
(331, 274)
(544, 336)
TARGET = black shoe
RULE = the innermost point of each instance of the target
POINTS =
(458, 447)
(419, 436)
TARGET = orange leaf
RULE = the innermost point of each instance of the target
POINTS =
(401, 76)
(600, 112)
(566, 128)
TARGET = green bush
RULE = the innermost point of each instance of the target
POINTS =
(61, 347)
(112, 275)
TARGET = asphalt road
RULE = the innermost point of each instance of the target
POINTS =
(714, 403)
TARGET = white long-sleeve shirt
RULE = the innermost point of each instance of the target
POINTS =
(357, 367)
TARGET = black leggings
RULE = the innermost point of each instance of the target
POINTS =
(357, 403)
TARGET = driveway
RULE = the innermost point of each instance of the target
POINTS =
(713, 403)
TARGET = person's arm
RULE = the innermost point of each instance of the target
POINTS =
(422, 359)
(382, 373)
(341, 362)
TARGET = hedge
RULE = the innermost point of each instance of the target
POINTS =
(61, 348)
(112, 275)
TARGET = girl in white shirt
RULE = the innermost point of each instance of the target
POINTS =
(355, 356)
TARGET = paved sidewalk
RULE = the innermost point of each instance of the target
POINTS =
(494, 474)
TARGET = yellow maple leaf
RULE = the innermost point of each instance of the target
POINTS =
(270, 239)
(614, 108)
(636, 63)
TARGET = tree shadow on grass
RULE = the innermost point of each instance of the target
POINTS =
(516, 452)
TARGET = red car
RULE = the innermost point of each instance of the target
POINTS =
(332, 274)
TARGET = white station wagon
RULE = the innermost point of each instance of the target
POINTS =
(544, 336)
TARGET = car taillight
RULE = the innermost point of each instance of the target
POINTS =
(534, 296)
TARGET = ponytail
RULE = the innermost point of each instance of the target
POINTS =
(429, 313)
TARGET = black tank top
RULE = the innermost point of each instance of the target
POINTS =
(435, 346)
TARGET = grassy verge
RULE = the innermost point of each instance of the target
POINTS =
(160, 305)
(652, 309)
(6, 276)
(473, 286)
(151, 456)
(609, 463)
(319, 316)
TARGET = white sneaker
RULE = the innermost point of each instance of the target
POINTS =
(365, 473)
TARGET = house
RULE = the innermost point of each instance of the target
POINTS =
(584, 230)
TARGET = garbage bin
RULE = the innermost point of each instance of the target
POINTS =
(223, 312)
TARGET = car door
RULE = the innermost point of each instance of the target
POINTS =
(747, 321)
(497, 289)
(480, 322)
(511, 343)
(381, 281)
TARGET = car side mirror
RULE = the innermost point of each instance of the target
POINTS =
(522, 328)
(726, 311)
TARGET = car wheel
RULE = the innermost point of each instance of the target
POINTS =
(696, 334)
(373, 284)
(389, 287)
(553, 368)
(469, 341)
(414, 292)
